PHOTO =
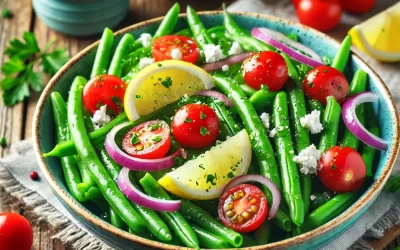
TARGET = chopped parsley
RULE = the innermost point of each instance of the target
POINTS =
(6, 13)
(167, 82)
(187, 120)
(134, 139)
(137, 96)
(230, 175)
(179, 161)
(117, 101)
(204, 131)
(154, 126)
(159, 64)
(156, 138)
(202, 116)
(211, 179)
(3, 142)
(201, 166)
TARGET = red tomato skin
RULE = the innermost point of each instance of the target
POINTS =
(101, 90)
(357, 6)
(265, 68)
(342, 169)
(324, 81)
(188, 133)
(322, 15)
(15, 232)
(254, 222)
(159, 150)
(162, 46)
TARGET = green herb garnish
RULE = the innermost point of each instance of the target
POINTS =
(202, 116)
(156, 138)
(155, 126)
(3, 142)
(6, 13)
(167, 82)
(187, 120)
(204, 131)
(134, 139)
(117, 101)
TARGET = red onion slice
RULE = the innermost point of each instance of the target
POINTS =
(137, 196)
(209, 67)
(355, 126)
(217, 95)
(133, 163)
(276, 195)
(259, 34)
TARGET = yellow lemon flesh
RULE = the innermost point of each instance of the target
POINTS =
(205, 177)
(162, 83)
(379, 36)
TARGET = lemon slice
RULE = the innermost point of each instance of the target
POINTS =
(162, 83)
(379, 36)
(206, 176)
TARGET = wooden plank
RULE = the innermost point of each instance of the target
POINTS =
(385, 242)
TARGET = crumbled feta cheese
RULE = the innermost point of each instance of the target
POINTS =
(272, 133)
(235, 49)
(312, 122)
(185, 98)
(265, 119)
(145, 38)
(225, 68)
(308, 159)
(313, 197)
(213, 53)
(176, 54)
(100, 117)
(145, 61)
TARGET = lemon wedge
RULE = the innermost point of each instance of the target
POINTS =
(205, 177)
(162, 83)
(379, 36)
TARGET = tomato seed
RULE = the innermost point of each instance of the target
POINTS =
(253, 208)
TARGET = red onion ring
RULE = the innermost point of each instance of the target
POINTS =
(259, 34)
(137, 196)
(276, 195)
(217, 95)
(228, 61)
(133, 163)
(355, 126)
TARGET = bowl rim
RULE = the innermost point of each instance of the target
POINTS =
(362, 202)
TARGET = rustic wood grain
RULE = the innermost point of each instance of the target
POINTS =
(16, 122)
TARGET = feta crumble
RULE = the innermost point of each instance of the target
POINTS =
(313, 197)
(235, 49)
(185, 97)
(213, 53)
(145, 38)
(312, 122)
(100, 117)
(272, 133)
(265, 119)
(176, 54)
(308, 159)
(225, 68)
(145, 61)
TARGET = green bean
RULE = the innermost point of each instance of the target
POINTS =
(88, 156)
(87, 180)
(263, 233)
(292, 71)
(168, 23)
(103, 53)
(94, 195)
(216, 32)
(282, 221)
(209, 240)
(200, 217)
(328, 211)
(262, 100)
(330, 124)
(200, 33)
(313, 104)
(88, 121)
(226, 115)
(249, 91)
(289, 172)
(175, 220)
(70, 169)
(116, 62)
(358, 85)
(224, 129)
(248, 241)
(133, 59)
(185, 32)
(293, 36)
(116, 220)
(112, 167)
(367, 152)
(342, 55)
(319, 199)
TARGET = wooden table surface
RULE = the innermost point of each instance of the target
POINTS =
(16, 121)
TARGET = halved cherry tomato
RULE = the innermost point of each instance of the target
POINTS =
(265, 68)
(324, 81)
(243, 208)
(149, 140)
(357, 6)
(195, 126)
(162, 47)
(342, 169)
(15, 232)
(104, 90)
(322, 15)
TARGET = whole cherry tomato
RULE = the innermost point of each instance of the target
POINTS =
(357, 6)
(322, 15)
(15, 232)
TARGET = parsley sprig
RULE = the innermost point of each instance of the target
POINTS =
(19, 74)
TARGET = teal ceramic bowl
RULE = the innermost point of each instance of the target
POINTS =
(81, 64)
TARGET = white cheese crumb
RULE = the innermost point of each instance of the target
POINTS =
(185, 98)
(291, 152)
(145, 61)
(145, 38)
(312, 122)
(213, 53)
(235, 49)
(176, 54)
(308, 159)
(313, 197)
(265, 119)
(272, 133)
(100, 117)
(225, 68)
